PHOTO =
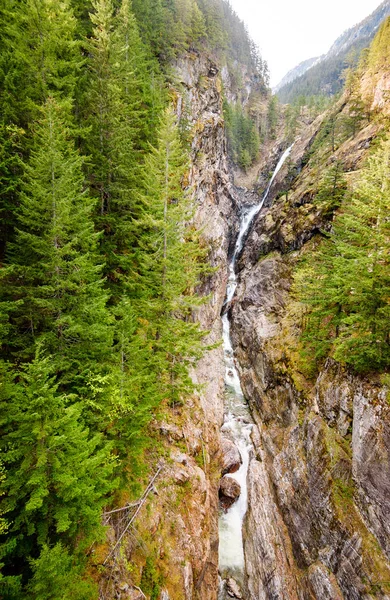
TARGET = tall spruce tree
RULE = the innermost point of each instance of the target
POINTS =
(120, 119)
(171, 261)
(58, 473)
(38, 57)
(54, 289)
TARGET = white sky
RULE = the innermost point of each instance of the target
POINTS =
(289, 31)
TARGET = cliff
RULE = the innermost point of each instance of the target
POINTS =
(317, 523)
(173, 548)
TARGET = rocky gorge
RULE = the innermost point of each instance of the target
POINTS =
(318, 479)
(316, 522)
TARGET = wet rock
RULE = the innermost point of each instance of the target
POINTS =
(233, 589)
(229, 491)
(317, 525)
(231, 457)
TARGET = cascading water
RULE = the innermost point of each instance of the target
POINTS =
(237, 424)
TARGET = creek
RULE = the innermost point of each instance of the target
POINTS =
(238, 424)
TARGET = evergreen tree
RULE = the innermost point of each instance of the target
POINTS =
(58, 474)
(57, 575)
(345, 284)
(54, 287)
(120, 120)
(242, 136)
(332, 188)
(171, 261)
(273, 116)
(356, 106)
(10, 179)
(38, 57)
(41, 57)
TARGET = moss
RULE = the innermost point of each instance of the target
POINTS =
(151, 580)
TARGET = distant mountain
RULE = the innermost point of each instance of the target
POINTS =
(297, 72)
(324, 75)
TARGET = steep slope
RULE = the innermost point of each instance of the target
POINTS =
(326, 75)
(317, 524)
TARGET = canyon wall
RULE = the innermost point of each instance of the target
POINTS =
(319, 479)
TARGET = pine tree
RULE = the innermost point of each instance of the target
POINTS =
(41, 57)
(120, 118)
(171, 262)
(10, 179)
(357, 112)
(54, 286)
(57, 575)
(135, 392)
(58, 473)
(332, 188)
(38, 57)
(272, 116)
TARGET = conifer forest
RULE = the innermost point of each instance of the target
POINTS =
(111, 290)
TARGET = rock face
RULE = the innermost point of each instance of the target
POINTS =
(179, 531)
(233, 589)
(317, 526)
(188, 496)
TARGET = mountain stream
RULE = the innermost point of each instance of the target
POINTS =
(237, 427)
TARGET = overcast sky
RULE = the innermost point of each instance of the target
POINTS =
(289, 31)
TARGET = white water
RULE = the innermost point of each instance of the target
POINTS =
(238, 421)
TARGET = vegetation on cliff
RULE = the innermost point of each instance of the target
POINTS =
(344, 281)
(99, 262)
(326, 77)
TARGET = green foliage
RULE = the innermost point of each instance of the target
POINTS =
(242, 136)
(170, 28)
(41, 56)
(100, 264)
(121, 110)
(379, 53)
(327, 77)
(54, 278)
(57, 472)
(151, 579)
(10, 179)
(357, 111)
(344, 284)
(272, 116)
(56, 577)
(301, 108)
(332, 188)
(171, 262)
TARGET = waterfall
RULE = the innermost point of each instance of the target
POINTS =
(238, 422)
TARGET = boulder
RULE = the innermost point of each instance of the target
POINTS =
(233, 589)
(231, 457)
(229, 491)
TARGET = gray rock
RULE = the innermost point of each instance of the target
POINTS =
(229, 491)
(231, 457)
(233, 589)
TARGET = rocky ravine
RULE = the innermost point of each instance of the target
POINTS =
(174, 547)
(319, 481)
